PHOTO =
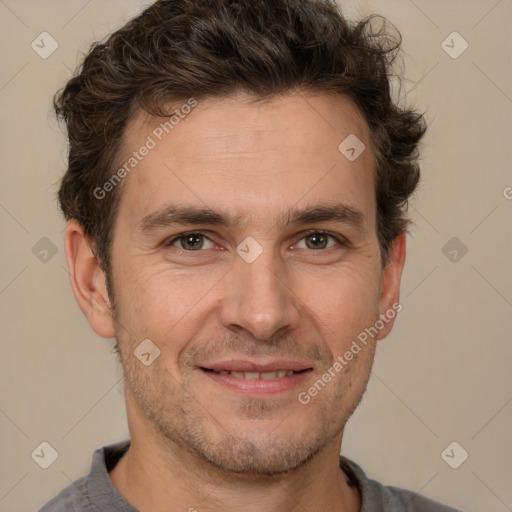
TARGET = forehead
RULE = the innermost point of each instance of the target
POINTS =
(249, 156)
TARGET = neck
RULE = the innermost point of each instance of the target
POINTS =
(151, 480)
(157, 475)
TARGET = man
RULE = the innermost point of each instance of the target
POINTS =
(235, 196)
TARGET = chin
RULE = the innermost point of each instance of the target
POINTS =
(266, 448)
(250, 458)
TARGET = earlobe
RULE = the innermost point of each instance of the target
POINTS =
(389, 302)
(88, 280)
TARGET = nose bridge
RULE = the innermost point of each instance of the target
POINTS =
(258, 297)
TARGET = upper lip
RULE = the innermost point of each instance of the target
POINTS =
(251, 366)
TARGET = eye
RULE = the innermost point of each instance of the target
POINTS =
(314, 240)
(190, 241)
(320, 240)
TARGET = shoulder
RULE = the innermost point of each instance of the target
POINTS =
(402, 499)
(377, 497)
(95, 491)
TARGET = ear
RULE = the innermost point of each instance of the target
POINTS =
(389, 304)
(88, 280)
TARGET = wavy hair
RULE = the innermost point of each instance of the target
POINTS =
(178, 49)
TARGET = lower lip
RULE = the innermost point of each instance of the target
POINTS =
(258, 386)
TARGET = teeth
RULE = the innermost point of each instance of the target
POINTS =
(255, 375)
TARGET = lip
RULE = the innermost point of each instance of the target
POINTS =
(259, 386)
(240, 365)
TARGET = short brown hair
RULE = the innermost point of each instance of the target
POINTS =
(178, 49)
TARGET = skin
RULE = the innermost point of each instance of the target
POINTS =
(196, 443)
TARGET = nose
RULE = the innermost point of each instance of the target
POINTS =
(259, 299)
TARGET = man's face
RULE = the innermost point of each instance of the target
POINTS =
(265, 294)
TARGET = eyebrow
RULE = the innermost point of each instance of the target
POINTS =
(177, 214)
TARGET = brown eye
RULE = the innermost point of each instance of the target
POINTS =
(317, 240)
(191, 241)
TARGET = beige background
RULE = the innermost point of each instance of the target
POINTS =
(444, 373)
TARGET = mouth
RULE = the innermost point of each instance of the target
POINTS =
(279, 374)
(251, 378)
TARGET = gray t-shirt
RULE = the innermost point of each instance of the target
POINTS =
(95, 492)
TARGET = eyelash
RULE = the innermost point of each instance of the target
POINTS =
(338, 238)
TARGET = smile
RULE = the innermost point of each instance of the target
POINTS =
(251, 380)
(279, 374)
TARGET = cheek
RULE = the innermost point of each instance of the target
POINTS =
(163, 306)
(344, 302)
